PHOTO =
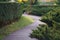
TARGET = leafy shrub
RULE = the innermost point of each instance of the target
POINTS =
(9, 12)
(51, 16)
(51, 30)
(46, 33)
(58, 2)
(40, 10)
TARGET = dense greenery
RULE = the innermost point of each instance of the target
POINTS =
(40, 10)
(51, 16)
(46, 33)
(9, 11)
(58, 2)
(37, 9)
(50, 31)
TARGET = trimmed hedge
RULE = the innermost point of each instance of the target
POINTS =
(9, 11)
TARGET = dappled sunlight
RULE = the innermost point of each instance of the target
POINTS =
(20, 1)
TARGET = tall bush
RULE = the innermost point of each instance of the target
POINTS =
(53, 15)
(50, 31)
(9, 11)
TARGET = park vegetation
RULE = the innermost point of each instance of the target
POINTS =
(50, 30)
(9, 12)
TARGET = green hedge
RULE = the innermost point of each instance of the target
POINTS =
(9, 11)
(41, 10)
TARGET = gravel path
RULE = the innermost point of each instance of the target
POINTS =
(24, 33)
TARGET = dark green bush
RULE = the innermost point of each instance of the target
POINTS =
(9, 11)
(58, 2)
(46, 33)
(40, 10)
(52, 15)
(50, 31)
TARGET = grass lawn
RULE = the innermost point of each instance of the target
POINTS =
(24, 21)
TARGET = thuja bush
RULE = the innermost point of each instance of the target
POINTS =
(53, 15)
(9, 12)
(45, 32)
(49, 31)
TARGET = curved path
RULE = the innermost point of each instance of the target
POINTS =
(24, 33)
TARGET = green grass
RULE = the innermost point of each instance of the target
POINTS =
(24, 21)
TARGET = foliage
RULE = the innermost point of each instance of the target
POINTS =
(9, 12)
(40, 10)
(50, 31)
(58, 2)
(52, 16)
(37, 9)
(45, 32)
